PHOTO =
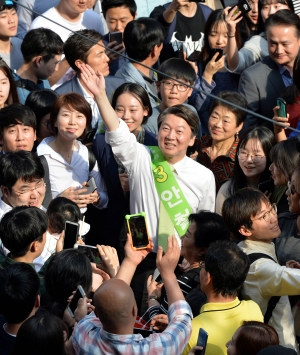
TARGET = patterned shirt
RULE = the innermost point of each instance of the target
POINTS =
(222, 167)
(91, 339)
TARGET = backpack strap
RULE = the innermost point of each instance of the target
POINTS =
(92, 159)
(26, 84)
(274, 299)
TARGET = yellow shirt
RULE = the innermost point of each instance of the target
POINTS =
(220, 321)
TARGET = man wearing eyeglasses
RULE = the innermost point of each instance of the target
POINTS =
(253, 220)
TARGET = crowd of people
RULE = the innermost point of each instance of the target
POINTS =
(183, 114)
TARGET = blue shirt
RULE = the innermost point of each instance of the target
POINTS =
(285, 74)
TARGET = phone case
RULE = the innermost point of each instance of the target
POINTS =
(282, 107)
(92, 187)
(82, 295)
(143, 214)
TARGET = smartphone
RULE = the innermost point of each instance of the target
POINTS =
(243, 6)
(179, 52)
(202, 341)
(282, 107)
(73, 304)
(213, 51)
(71, 234)
(90, 251)
(194, 57)
(138, 230)
(91, 187)
(116, 37)
(267, 186)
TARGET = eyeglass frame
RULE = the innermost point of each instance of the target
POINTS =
(289, 187)
(273, 208)
(258, 159)
(20, 193)
(174, 84)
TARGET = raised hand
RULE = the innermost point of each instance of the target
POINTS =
(94, 81)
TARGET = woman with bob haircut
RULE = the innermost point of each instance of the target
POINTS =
(251, 337)
(67, 158)
(8, 89)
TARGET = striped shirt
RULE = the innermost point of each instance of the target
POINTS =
(91, 339)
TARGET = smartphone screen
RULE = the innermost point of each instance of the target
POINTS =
(71, 233)
(116, 37)
(91, 252)
(73, 304)
(213, 51)
(138, 231)
(202, 341)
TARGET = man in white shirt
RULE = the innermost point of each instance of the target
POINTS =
(70, 16)
(252, 219)
(177, 128)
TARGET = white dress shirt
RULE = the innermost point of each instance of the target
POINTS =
(196, 182)
(64, 175)
(266, 279)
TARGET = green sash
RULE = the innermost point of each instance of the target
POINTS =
(169, 191)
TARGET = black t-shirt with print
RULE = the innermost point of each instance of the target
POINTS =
(188, 33)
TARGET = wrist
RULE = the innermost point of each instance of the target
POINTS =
(231, 35)
(153, 298)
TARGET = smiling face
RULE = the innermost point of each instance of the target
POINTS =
(271, 8)
(4, 88)
(70, 123)
(8, 23)
(252, 150)
(222, 124)
(218, 36)
(130, 110)
(174, 137)
(25, 193)
(171, 95)
(264, 227)
(283, 44)
(293, 198)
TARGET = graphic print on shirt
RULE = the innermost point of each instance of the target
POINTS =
(188, 46)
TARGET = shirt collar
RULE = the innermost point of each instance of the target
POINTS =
(217, 306)
(86, 95)
(259, 247)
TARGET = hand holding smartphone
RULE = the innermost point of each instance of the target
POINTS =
(243, 6)
(213, 51)
(71, 234)
(138, 230)
(90, 251)
(116, 37)
(202, 341)
(73, 304)
(91, 187)
(282, 107)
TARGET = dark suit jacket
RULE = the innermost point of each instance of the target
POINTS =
(260, 85)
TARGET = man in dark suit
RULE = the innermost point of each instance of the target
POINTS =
(263, 83)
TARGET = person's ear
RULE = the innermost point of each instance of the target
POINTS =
(207, 278)
(38, 60)
(246, 232)
(192, 141)
(155, 53)
(135, 16)
(239, 127)
(189, 92)
(34, 246)
(158, 86)
(34, 137)
(37, 303)
(134, 311)
(78, 63)
(5, 191)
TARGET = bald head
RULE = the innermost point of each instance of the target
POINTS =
(115, 305)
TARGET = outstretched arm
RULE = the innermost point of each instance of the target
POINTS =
(96, 85)
(232, 19)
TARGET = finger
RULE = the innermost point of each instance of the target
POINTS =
(159, 255)
(149, 280)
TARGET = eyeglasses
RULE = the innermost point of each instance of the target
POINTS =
(254, 158)
(267, 215)
(291, 188)
(169, 86)
(39, 185)
(47, 124)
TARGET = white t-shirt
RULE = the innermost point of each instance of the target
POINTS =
(88, 20)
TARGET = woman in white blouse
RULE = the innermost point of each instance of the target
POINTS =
(67, 158)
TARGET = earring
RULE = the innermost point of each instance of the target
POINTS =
(236, 135)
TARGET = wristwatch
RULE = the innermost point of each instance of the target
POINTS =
(153, 297)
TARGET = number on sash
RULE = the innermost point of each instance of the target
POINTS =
(162, 176)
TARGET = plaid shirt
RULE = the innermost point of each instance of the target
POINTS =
(222, 167)
(91, 339)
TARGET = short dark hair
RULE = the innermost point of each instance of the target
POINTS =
(78, 45)
(72, 101)
(285, 156)
(8, 7)
(13, 94)
(140, 37)
(109, 4)
(289, 3)
(20, 165)
(47, 332)
(59, 211)
(20, 227)
(210, 228)
(240, 207)
(138, 92)
(266, 138)
(16, 114)
(254, 336)
(183, 112)
(41, 101)
(228, 266)
(19, 288)
(41, 42)
(66, 270)
(234, 98)
(178, 69)
(284, 18)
